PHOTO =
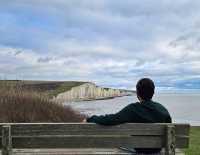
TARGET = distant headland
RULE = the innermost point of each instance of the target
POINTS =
(64, 91)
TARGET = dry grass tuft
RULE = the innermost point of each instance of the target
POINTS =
(21, 105)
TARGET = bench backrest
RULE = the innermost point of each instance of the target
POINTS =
(89, 135)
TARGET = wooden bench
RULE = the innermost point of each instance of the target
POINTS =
(88, 138)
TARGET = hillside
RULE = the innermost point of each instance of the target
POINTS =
(51, 88)
(67, 90)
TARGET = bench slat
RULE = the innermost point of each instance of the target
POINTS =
(92, 129)
(181, 142)
(88, 129)
(182, 129)
(93, 141)
(86, 142)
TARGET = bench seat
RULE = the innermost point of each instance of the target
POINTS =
(83, 151)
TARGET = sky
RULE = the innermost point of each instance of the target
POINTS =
(112, 43)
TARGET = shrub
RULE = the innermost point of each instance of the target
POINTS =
(22, 105)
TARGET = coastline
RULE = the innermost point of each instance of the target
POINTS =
(91, 92)
(96, 99)
(104, 98)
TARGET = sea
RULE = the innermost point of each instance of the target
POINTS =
(184, 108)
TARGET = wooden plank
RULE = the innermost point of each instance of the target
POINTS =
(182, 129)
(181, 142)
(135, 128)
(82, 151)
(87, 142)
(87, 129)
(6, 140)
(170, 140)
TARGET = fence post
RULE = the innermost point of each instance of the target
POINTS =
(6, 140)
(170, 140)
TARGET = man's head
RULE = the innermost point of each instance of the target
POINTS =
(145, 89)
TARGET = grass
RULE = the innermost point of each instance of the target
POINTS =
(65, 86)
(22, 105)
(194, 146)
(51, 88)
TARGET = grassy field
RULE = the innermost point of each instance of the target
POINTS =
(51, 88)
(194, 148)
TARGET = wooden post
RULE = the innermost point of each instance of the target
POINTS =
(170, 140)
(6, 140)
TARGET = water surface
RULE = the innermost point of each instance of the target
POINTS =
(184, 108)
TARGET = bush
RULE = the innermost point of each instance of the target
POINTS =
(21, 105)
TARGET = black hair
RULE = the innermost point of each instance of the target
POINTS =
(145, 89)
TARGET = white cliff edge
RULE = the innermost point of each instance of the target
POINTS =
(89, 91)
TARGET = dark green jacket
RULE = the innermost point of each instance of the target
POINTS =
(145, 112)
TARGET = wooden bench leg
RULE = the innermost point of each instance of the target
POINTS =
(6, 140)
(170, 140)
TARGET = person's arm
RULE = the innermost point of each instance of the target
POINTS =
(123, 116)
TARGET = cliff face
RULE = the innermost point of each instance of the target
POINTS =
(89, 91)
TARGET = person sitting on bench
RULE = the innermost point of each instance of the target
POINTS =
(144, 111)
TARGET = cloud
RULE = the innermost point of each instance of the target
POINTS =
(44, 60)
(112, 43)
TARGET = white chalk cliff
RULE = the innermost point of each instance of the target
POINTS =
(89, 91)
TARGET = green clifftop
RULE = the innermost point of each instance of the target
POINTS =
(55, 88)
(51, 88)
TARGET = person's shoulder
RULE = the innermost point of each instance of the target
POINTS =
(160, 106)
(165, 111)
(135, 104)
(131, 107)
(155, 102)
